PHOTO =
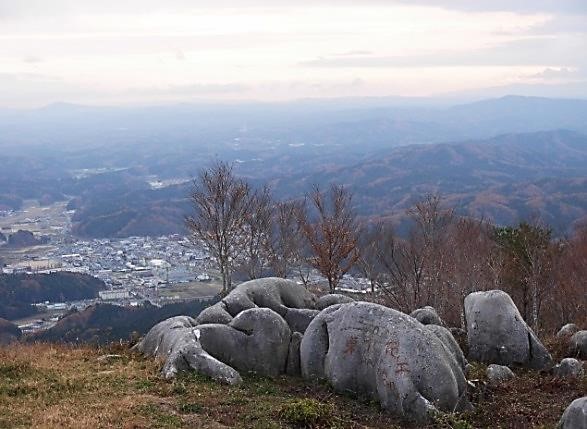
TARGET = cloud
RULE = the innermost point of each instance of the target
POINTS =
(521, 52)
(31, 59)
(559, 74)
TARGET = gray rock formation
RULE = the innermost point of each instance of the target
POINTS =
(380, 353)
(427, 316)
(332, 299)
(568, 367)
(293, 356)
(449, 342)
(279, 295)
(567, 330)
(177, 341)
(496, 332)
(575, 416)
(256, 340)
(498, 373)
(578, 345)
(298, 319)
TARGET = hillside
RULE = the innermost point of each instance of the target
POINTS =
(19, 291)
(506, 178)
(84, 387)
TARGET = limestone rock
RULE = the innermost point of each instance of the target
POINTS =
(177, 341)
(568, 367)
(567, 330)
(496, 332)
(498, 373)
(256, 340)
(293, 355)
(427, 316)
(383, 354)
(449, 342)
(298, 319)
(214, 314)
(575, 416)
(578, 345)
(332, 299)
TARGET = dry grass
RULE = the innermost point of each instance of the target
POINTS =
(48, 386)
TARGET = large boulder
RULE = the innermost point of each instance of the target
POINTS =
(567, 330)
(293, 356)
(427, 316)
(256, 340)
(332, 299)
(176, 340)
(449, 342)
(568, 367)
(578, 345)
(298, 319)
(279, 295)
(575, 416)
(497, 333)
(383, 354)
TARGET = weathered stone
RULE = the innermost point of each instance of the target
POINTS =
(293, 355)
(177, 341)
(567, 330)
(332, 299)
(498, 373)
(578, 345)
(378, 352)
(257, 340)
(496, 332)
(449, 342)
(427, 316)
(568, 367)
(298, 319)
(275, 293)
(214, 314)
(575, 416)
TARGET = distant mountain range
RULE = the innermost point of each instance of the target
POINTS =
(510, 158)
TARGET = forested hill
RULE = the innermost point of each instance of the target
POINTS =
(19, 291)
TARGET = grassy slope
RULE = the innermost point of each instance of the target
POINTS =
(61, 386)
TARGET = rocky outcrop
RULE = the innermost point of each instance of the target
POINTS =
(499, 373)
(427, 316)
(285, 297)
(176, 340)
(496, 332)
(575, 416)
(386, 355)
(568, 367)
(256, 340)
(578, 345)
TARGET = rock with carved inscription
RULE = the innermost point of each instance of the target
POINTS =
(383, 354)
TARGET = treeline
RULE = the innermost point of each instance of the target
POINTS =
(19, 291)
(439, 260)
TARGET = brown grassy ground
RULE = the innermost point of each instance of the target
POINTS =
(49, 386)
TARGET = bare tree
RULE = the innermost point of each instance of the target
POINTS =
(287, 246)
(332, 236)
(256, 234)
(220, 202)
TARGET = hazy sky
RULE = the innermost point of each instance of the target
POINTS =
(147, 51)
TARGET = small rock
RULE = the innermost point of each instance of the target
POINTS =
(427, 316)
(567, 330)
(578, 346)
(568, 367)
(575, 416)
(108, 358)
(498, 373)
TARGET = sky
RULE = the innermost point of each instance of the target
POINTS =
(151, 51)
